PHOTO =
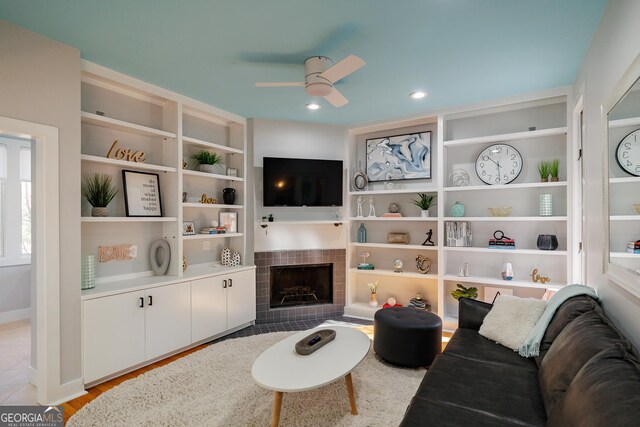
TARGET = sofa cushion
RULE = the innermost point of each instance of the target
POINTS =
(511, 319)
(568, 311)
(492, 391)
(606, 392)
(580, 340)
(470, 345)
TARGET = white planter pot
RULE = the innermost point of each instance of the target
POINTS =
(424, 214)
(207, 168)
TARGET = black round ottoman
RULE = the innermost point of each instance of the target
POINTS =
(407, 336)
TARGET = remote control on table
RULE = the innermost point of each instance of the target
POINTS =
(315, 340)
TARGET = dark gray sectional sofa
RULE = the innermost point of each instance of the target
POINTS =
(587, 374)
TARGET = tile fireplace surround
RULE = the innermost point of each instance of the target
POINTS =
(264, 260)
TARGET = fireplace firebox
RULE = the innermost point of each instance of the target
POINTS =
(299, 285)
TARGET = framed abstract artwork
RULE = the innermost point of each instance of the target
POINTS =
(399, 157)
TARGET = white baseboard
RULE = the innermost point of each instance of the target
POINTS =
(70, 391)
(15, 315)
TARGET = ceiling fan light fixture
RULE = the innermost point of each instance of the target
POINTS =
(313, 106)
(319, 89)
(419, 94)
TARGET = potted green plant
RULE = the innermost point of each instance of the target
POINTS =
(99, 191)
(424, 203)
(554, 167)
(463, 292)
(544, 170)
(207, 161)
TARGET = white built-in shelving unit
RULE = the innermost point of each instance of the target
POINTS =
(537, 127)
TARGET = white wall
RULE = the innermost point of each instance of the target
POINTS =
(40, 83)
(295, 140)
(613, 48)
(15, 293)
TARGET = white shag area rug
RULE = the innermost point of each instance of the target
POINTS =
(214, 387)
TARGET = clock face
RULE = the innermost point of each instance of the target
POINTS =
(628, 153)
(498, 164)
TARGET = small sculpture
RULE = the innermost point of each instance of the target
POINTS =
(537, 278)
(372, 210)
(398, 264)
(393, 207)
(359, 211)
(423, 264)
(428, 241)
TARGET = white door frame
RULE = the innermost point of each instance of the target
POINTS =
(579, 231)
(47, 252)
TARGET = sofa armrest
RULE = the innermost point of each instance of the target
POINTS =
(471, 313)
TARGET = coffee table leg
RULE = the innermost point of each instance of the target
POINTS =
(352, 396)
(277, 404)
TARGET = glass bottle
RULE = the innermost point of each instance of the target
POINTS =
(362, 234)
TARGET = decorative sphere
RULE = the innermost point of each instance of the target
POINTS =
(391, 301)
(393, 207)
(397, 264)
(214, 223)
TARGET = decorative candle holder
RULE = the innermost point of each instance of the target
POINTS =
(88, 272)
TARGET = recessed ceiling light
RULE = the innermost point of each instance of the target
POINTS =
(419, 94)
(313, 106)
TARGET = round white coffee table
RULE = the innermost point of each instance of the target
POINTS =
(283, 370)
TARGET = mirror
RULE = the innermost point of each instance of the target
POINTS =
(623, 125)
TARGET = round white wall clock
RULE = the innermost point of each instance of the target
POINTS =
(498, 164)
(628, 153)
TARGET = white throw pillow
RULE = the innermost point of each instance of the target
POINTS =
(510, 320)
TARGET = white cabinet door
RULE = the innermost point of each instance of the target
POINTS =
(168, 319)
(241, 298)
(208, 307)
(113, 333)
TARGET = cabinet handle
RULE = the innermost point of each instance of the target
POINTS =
(141, 302)
(150, 300)
(224, 283)
(230, 283)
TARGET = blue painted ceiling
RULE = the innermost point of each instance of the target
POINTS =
(460, 51)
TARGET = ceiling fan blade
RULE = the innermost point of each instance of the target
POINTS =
(336, 99)
(343, 68)
(279, 84)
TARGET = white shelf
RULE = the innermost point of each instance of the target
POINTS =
(508, 186)
(394, 246)
(210, 145)
(506, 137)
(397, 219)
(211, 236)
(621, 123)
(505, 251)
(624, 218)
(392, 192)
(624, 255)
(381, 272)
(210, 175)
(505, 218)
(211, 206)
(625, 180)
(127, 219)
(505, 283)
(310, 222)
(121, 125)
(361, 310)
(87, 158)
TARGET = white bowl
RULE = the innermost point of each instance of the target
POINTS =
(501, 211)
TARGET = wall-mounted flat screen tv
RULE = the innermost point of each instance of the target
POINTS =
(302, 182)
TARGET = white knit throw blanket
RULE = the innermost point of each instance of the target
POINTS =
(531, 345)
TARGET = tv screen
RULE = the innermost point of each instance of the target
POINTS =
(302, 182)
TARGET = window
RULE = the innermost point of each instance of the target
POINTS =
(15, 201)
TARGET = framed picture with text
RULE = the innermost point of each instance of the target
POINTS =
(141, 194)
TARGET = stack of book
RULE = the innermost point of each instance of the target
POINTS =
(420, 303)
(213, 230)
(392, 215)
(633, 247)
(365, 266)
(502, 244)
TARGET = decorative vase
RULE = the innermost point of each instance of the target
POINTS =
(457, 209)
(99, 211)
(88, 272)
(207, 168)
(424, 213)
(229, 196)
(373, 302)
(546, 205)
(225, 257)
(235, 260)
(362, 234)
(507, 271)
(547, 242)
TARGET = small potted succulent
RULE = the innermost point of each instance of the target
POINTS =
(544, 170)
(99, 191)
(462, 292)
(424, 203)
(554, 167)
(208, 162)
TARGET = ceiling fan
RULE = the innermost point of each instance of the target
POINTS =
(320, 76)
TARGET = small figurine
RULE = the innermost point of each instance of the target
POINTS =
(537, 278)
(372, 210)
(423, 264)
(359, 202)
(428, 241)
